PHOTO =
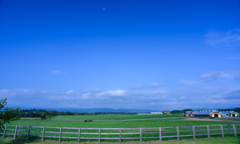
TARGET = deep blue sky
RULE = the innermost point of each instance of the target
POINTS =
(120, 54)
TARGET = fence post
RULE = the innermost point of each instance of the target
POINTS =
(60, 134)
(177, 133)
(120, 135)
(28, 132)
(193, 127)
(208, 131)
(43, 133)
(15, 135)
(234, 129)
(160, 134)
(140, 134)
(222, 131)
(79, 133)
(99, 136)
(5, 129)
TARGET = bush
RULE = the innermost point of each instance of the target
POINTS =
(43, 117)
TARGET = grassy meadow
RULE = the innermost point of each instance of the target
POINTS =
(120, 124)
(111, 117)
(30, 118)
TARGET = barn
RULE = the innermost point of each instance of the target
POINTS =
(224, 114)
(233, 114)
(166, 112)
(202, 114)
(216, 114)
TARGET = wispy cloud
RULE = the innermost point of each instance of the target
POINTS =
(228, 39)
(210, 77)
(196, 97)
(237, 78)
(233, 58)
(17, 91)
(233, 95)
(188, 82)
(115, 92)
(43, 98)
(70, 92)
(182, 97)
(152, 85)
(57, 72)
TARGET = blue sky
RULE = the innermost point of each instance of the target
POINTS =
(120, 54)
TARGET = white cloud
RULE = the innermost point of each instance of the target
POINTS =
(209, 77)
(188, 82)
(70, 92)
(17, 91)
(196, 97)
(237, 78)
(228, 39)
(155, 84)
(152, 103)
(86, 95)
(233, 58)
(160, 91)
(115, 92)
(152, 85)
(57, 72)
(182, 97)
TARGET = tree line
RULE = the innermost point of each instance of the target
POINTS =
(44, 114)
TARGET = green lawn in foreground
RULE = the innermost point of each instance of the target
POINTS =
(119, 124)
(219, 140)
(30, 118)
(111, 117)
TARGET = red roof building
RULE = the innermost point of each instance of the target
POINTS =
(166, 111)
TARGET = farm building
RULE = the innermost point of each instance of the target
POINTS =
(224, 114)
(166, 112)
(143, 113)
(214, 114)
(156, 113)
(233, 114)
(189, 113)
(202, 114)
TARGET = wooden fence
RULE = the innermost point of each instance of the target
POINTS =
(158, 133)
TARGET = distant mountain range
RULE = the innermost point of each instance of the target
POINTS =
(93, 110)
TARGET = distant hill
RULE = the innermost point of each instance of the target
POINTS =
(93, 110)
(80, 110)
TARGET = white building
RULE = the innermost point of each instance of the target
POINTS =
(156, 113)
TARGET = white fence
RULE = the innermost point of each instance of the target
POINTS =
(121, 133)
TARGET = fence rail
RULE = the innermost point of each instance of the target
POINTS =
(134, 133)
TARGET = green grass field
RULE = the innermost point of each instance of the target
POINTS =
(120, 124)
(111, 117)
(30, 118)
